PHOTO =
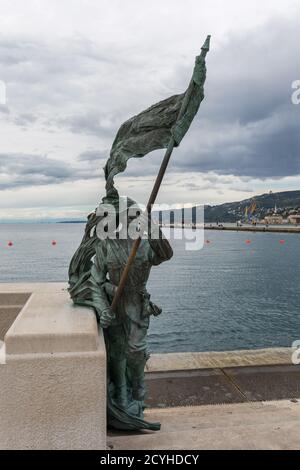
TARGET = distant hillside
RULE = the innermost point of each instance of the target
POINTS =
(286, 202)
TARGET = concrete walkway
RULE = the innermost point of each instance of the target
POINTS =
(211, 378)
(222, 386)
(234, 389)
(265, 425)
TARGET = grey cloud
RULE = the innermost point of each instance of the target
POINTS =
(53, 57)
(88, 123)
(25, 119)
(246, 126)
(4, 109)
(93, 156)
(21, 170)
(266, 149)
(196, 187)
(70, 82)
(241, 190)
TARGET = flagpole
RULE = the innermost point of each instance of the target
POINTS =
(155, 190)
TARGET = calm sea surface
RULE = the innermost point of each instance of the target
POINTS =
(229, 295)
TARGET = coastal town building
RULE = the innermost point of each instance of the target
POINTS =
(294, 219)
(274, 219)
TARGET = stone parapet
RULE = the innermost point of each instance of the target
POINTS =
(53, 384)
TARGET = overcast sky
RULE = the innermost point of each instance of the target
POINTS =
(75, 70)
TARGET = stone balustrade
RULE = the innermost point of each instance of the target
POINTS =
(53, 381)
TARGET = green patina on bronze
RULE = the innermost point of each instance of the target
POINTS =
(96, 267)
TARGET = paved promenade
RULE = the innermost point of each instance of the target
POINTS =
(230, 400)
(267, 425)
(191, 379)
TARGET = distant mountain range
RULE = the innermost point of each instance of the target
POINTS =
(285, 203)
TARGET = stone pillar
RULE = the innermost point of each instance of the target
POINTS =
(53, 385)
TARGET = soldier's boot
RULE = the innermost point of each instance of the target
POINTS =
(136, 364)
(118, 377)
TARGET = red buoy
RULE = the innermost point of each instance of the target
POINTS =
(10, 243)
(53, 242)
(248, 242)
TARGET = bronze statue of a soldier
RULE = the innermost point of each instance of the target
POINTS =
(125, 330)
(109, 271)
